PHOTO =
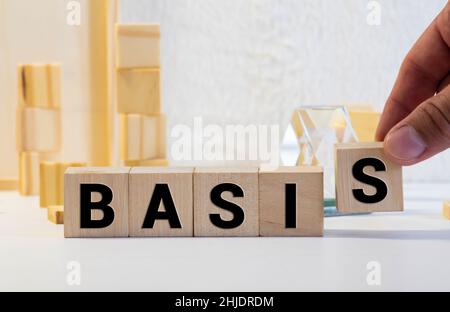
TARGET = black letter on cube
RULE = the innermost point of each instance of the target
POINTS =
(161, 194)
(86, 206)
(358, 174)
(216, 199)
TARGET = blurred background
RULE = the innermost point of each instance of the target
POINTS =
(229, 61)
(235, 61)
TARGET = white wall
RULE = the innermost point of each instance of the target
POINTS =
(253, 61)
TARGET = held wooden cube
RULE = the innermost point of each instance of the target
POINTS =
(142, 136)
(138, 91)
(138, 45)
(38, 129)
(291, 201)
(226, 202)
(39, 85)
(366, 181)
(96, 202)
(161, 202)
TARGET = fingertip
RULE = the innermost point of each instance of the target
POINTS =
(404, 146)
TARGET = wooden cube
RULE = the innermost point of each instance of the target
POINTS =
(38, 129)
(39, 85)
(138, 45)
(161, 202)
(51, 186)
(142, 137)
(138, 91)
(55, 214)
(226, 202)
(291, 201)
(446, 210)
(366, 180)
(96, 202)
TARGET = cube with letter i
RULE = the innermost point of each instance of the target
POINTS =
(291, 201)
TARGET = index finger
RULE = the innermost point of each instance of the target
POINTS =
(421, 73)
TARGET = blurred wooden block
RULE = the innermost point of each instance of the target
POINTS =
(9, 184)
(51, 187)
(100, 73)
(446, 211)
(29, 173)
(161, 202)
(96, 202)
(366, 181)
(142, 136)
(147, 163)
(39, 85)
(138, 91)
(291, 201)
(38, 129)
(236, 192)
(55, 214)
(138, 45)
(365, 124)
(48, 184)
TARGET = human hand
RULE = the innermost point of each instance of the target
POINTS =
(415, 124)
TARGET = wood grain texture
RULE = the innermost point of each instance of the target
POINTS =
(55, 214)
(114, 178)
(309, 201)
(38, 129)
(142, 136)
(39, 85)
(138, 91)
(205, 179)
(346, 155)
(138, 45)
(142, 186)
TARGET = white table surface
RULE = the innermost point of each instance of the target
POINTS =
(413, 249)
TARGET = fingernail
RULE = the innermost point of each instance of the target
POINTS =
(405, 144)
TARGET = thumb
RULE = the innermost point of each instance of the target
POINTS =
(422, 134)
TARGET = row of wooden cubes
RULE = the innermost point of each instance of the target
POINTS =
(141, 202)
(287, 201)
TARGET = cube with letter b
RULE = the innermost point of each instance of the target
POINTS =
(366, 180)
(96, 202)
